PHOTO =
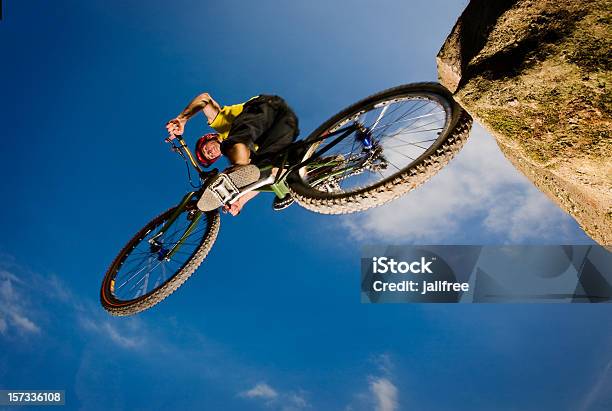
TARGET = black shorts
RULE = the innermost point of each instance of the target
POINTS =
(267, 125)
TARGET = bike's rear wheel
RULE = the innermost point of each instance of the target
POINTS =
(402, 137)
(143, 274)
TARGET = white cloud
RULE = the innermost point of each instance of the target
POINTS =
(273, 398)
(479, 187)
(261, 390)
(525, 216)
(58, 290)
(382, 393)
(122, 340)
(385, 394)
(126, 338)
(24, 322)
(600, 391)
(294, 402)
(19, 315)
(383, 362)
(15, 310)
(101, 330)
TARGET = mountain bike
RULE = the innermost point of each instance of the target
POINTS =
(367, 155)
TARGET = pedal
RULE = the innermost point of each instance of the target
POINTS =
(225, 187)
(219, 192)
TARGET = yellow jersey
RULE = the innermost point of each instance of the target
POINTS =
(226, 116)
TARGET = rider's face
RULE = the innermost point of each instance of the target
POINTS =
(211, 150)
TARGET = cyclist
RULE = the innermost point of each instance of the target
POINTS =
(248, 134)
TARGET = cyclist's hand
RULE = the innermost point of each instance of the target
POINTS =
(233, 209)
(175, 127)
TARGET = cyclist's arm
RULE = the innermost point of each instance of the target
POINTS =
(205, 103)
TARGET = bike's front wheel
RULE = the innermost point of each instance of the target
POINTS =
(379, 149)
(152, 266)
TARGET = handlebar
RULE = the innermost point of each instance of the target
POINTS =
(182, 149)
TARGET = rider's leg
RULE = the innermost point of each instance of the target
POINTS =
(239, 154)
(279, 136)
(257, 117)
(271, 125)
(235, 208)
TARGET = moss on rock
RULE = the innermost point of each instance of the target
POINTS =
(540, 81)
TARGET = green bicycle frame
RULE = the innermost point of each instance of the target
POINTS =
(279, 187)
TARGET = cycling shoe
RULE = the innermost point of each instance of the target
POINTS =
(226, 186)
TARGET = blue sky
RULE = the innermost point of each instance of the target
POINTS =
(86, 90)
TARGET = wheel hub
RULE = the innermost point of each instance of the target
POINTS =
(364, 135)
(158, 248)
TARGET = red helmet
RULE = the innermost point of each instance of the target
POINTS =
(201, 141)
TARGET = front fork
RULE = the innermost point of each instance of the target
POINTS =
(158, 247)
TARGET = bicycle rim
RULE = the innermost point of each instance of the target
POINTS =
(403, 128)
(142, 269)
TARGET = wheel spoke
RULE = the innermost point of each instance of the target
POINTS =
(144, 271)
(381, 133)
(130, 279)
(380, 116)
(399, 128)
(134, 267)
(386, 126)
(408, 119)
(420, 126)
(403, 154)
(411, 143)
